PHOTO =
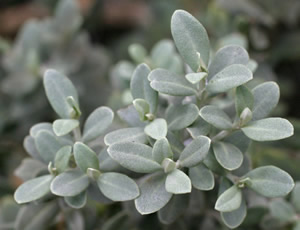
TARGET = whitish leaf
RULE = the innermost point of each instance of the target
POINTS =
(226, 56)
(142, 107)
(29, 169)
(130, 116)
(85, 157)
(190, 38)
(177, 182)
(62, 127)
(269, 129)
(181, 116)
(36, 216)
(118, 187)
(161, 150)
(162, 52)
(229, 156)
(176, 207)
(126, 134)
(282, 210)
(97, 123)
(62, 158)
(140, 86)
(243, 99)
(229, 200)
(270, 181)
(47, 145)
(202, 178)
(235, 218)
(199, 127)
(77, 201)
(266, 97)
(239, 140)
(39, 127)
(295, 199)
(134, 156)
(29, 146)
(211, 162)
(33, 189)
(170, 83)
(175, 143)
(137, 52)
(216, 117)
(229, 78)
(69, 183)
(58, 87)
(195, 152)
(153, 194)
(195, 78)
(157, 129)
(107, 164)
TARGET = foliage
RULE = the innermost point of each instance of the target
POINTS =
(190, 121)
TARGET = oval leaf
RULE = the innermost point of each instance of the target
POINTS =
(58, 87)
(190, 38)
(33, 189)
(78, 201)
(85, 157)
(269, 129)
(170, 83)
(134, 156)
(243, 99)
(126, 134)
(216, 117)
(195, 152)
(97, 123)
(62, 127)
(161, 150)
(157, 129)
(69, 183)
(178, 182)
(229, 200)
(62, 158)
(229, 156)
(229, 78)
(118, 187)
(153, 194)
(270, 181)
(202, 178)
(235, 218)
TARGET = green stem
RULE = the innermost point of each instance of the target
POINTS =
(77, 134)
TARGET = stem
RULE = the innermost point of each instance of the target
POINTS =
(221, 135)
(77, 134)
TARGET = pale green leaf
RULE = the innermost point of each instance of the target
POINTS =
(211, 162)
(195, 78)
(270, 181)
(266, 97)
(30, 147)
(175, 208)
(202, 178)
(243, 99)
(107, 164)
(226, 56)
(137, 52)
(229, 78)
(295, 198)
(142, 107)
(130, 116)
(47, 145)
(62, 127)
(157, 129)
(161, 150)
(140, 87)
(134, 156)
(162, 53)
(29, 169)
(216, 117)
(282, 210)
(190, 38)
(126, 134)
(118, 187)
(195, 152)
(85, 157)
(33, 189)
(34, 130)
(62, 158)
(170, 83)
(181, 116)
(199, 127)
(97, 123)
(229, 156)
(269, 129)
(229, 200)
(235, 218)
(69, 183)
(153, 194)
(177, 182)
(78, 201)
(58, 87)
